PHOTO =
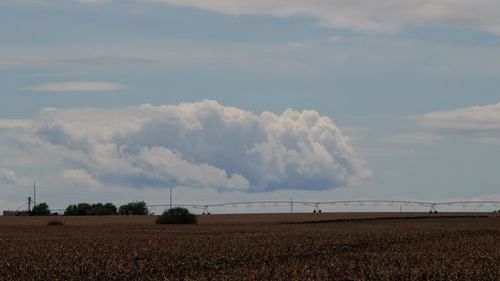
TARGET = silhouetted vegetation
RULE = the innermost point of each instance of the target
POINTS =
(41, 209)
(55, 223)
(85, 209)
(176, 216)
(134, 208)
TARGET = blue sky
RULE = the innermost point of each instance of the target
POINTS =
(410, 91)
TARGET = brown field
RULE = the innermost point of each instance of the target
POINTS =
(336, 246)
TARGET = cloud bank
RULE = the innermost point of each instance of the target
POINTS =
(371, 16)
(201, 144)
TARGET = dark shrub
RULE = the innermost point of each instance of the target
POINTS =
(176, 216)
(55, 222)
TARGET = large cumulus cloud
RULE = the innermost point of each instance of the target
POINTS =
(203, 144)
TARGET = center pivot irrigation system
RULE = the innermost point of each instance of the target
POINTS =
(317, 206)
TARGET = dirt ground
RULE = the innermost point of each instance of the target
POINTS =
(327, 246)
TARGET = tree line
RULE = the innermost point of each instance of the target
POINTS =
(97, 209)
(176, 215)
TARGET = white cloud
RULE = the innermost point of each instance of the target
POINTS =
(75, 86)
(7, 176)
(476, 118)
(164, 165)
(20, 148)
(203, 144)
(376, 15)
(10, 178)
(15, 123)
(79, 178)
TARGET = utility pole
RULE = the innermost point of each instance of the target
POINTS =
(291, 204)
(34, 194)
(170, 197)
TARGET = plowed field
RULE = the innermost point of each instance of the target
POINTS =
(253, 247)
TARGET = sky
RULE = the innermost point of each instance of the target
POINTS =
(231, 100)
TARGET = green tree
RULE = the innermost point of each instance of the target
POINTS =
(110, 209)
(81, 209)
(41, 209)
(86, 209)
(134, 208)
(100, 209)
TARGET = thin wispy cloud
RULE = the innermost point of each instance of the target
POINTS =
(75, 86)
(411, 138)
(476, 124)
(476, 118)
(58, 74)
(296, 58)
(92, 2)
(370, 16)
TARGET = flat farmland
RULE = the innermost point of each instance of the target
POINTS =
(328, 246)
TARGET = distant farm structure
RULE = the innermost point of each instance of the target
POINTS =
(15, 213)
(21, 211)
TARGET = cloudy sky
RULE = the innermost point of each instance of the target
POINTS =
(229, 100)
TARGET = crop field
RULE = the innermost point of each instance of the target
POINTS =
(345, 246)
